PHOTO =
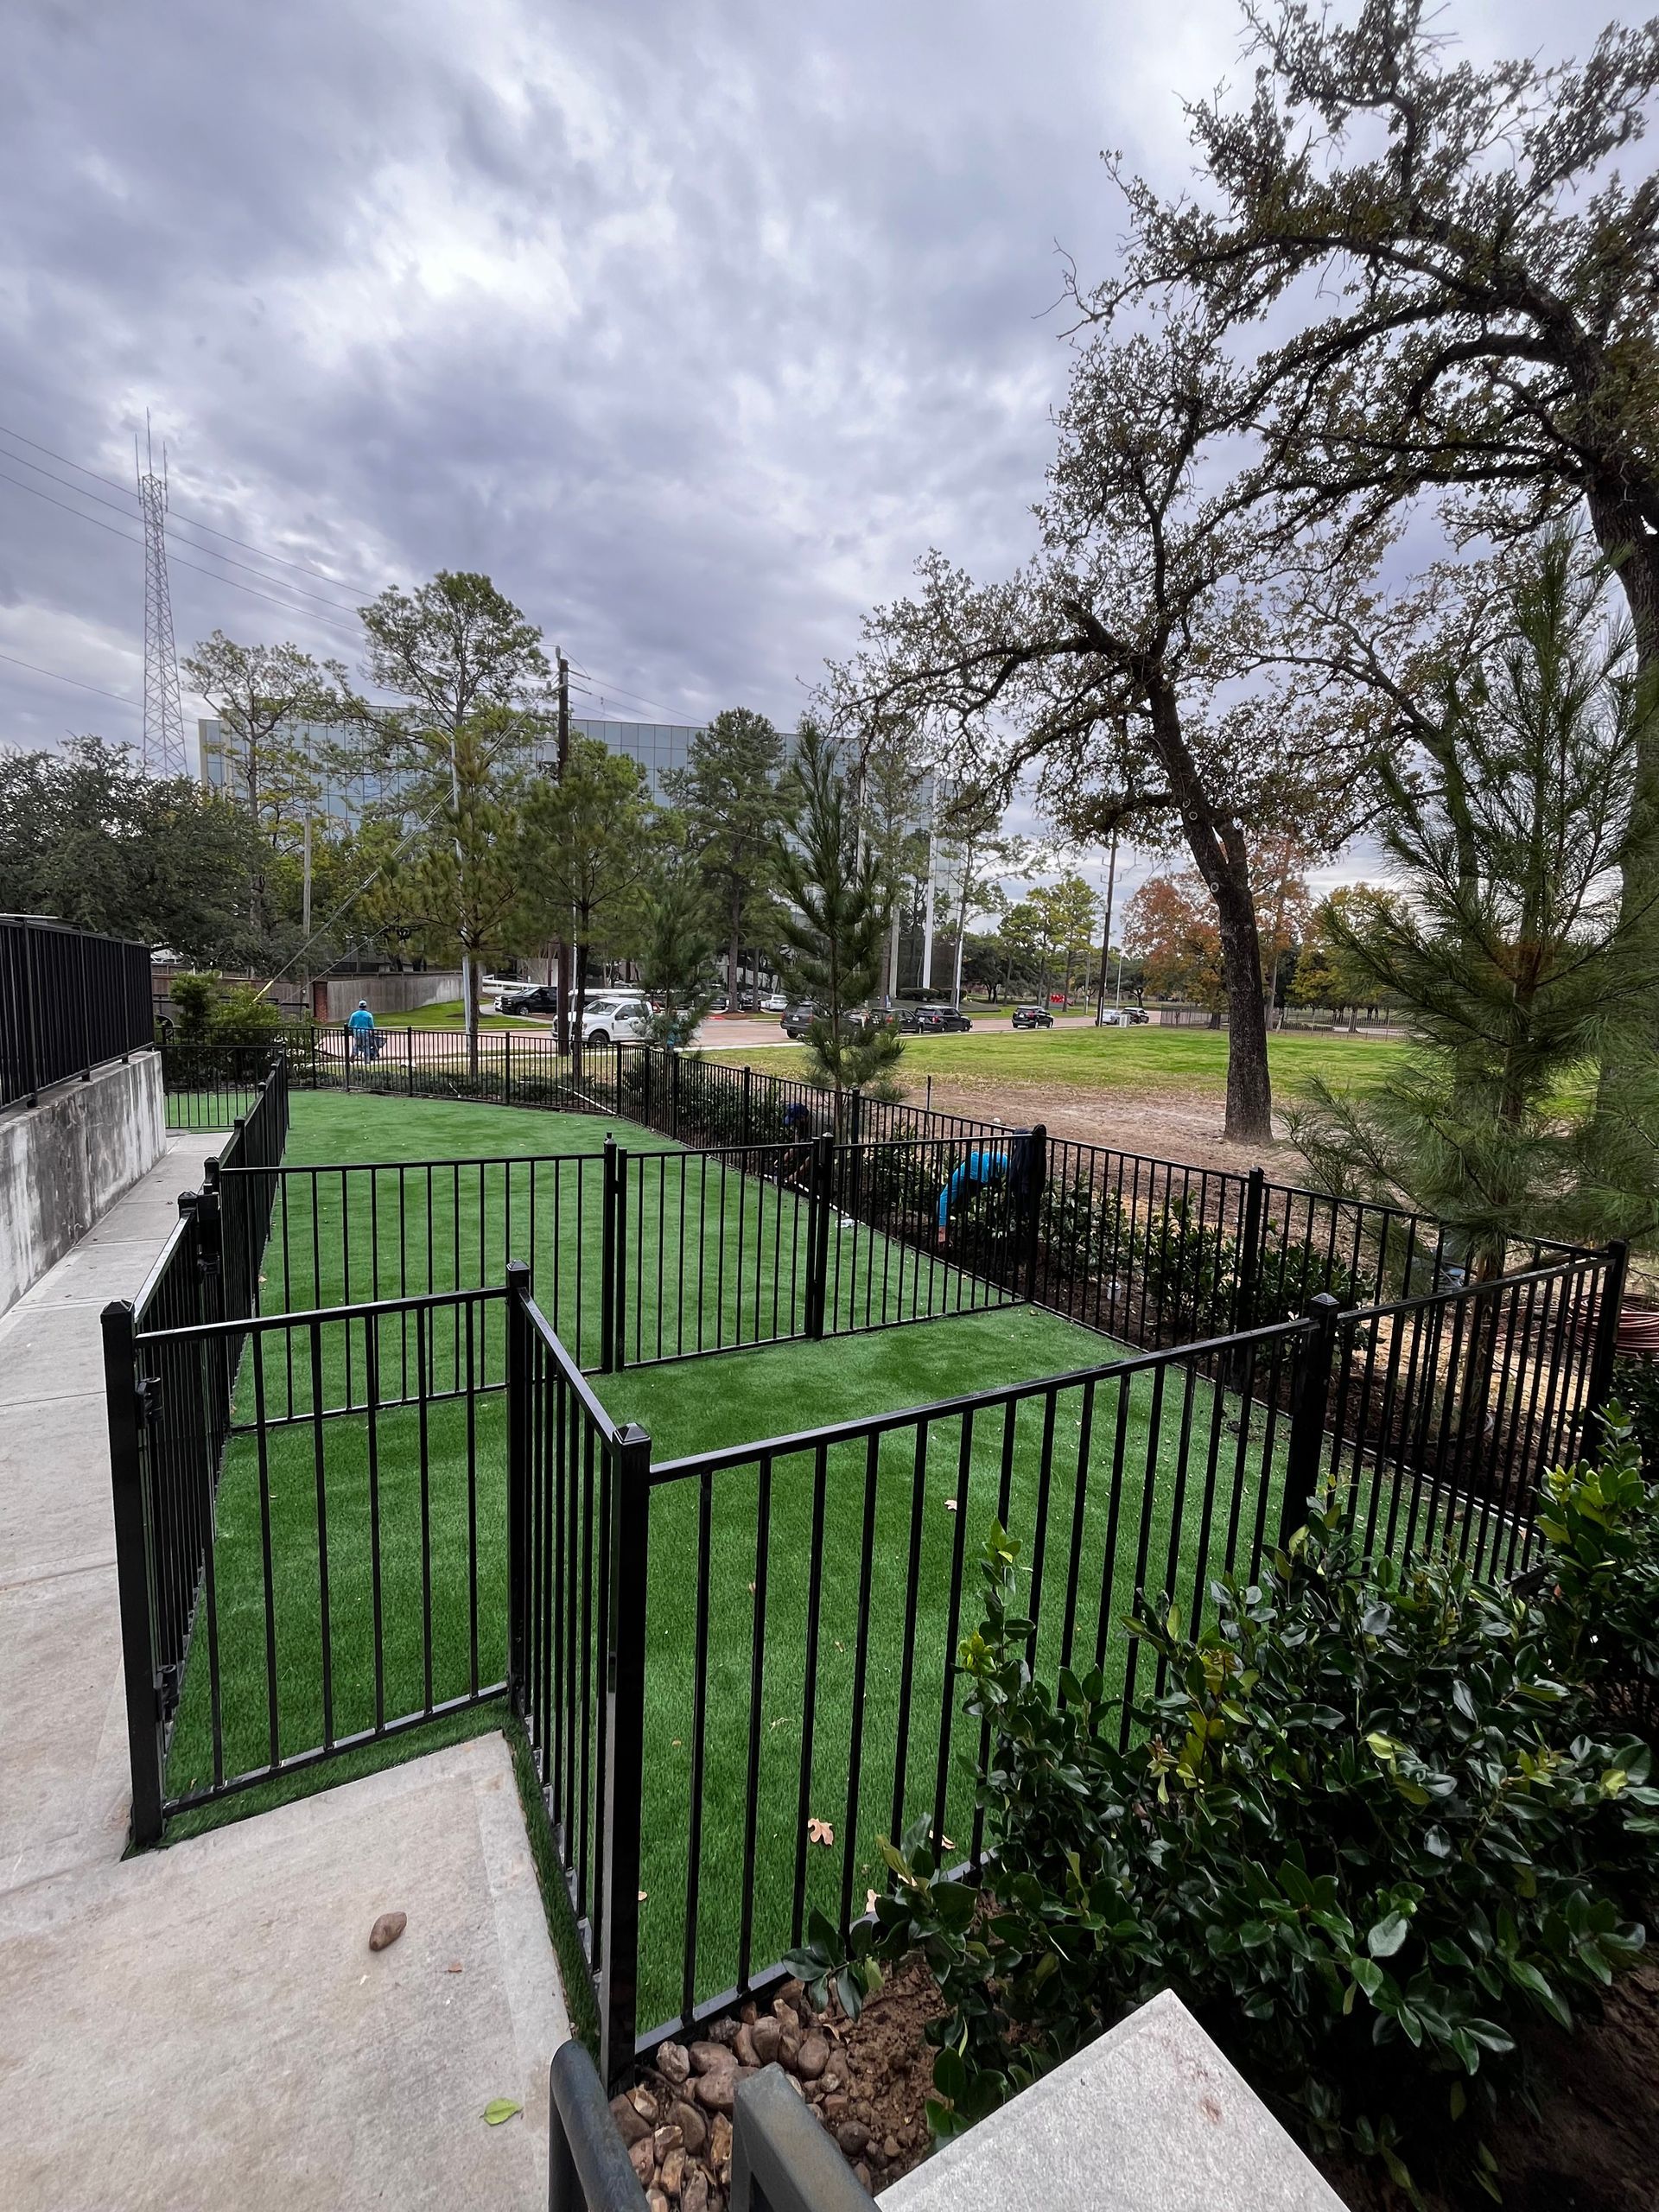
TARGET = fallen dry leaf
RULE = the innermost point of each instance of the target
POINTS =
(387, 1929)
(642, 1897)
(950, 1504)
(453, 1966)
(819, 1831)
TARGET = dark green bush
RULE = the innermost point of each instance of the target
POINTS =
(1367, 1833)
(1635, 1384)
(1190, 1268)
(1600, 1584)
(1292, 1273)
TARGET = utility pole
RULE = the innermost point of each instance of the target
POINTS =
(305, 910)
(1106, 935)
(564, 950)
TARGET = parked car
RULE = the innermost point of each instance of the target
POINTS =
(1033, 1017)
(1121, 1017)
(531, 998)
(615, 1018)
(933, 1020)
(774, 1002)
(796, 1018)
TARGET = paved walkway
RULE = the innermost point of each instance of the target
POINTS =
(206, 2025)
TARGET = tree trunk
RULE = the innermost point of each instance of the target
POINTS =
(1218, 848)
(469, 1012)
(734, 992)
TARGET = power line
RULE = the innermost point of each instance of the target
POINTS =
(232, 584)
(304, 567)
(118, 696)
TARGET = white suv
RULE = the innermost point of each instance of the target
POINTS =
(614, 1017)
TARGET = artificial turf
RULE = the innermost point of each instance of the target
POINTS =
(1167, 1487)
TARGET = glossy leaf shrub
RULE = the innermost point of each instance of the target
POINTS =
(1365, 1828)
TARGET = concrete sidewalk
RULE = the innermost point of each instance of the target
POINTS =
(204, 2024)
(63, 1732)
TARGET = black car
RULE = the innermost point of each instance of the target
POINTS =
(543, 999)
(1033, 1017)
(933, 1020)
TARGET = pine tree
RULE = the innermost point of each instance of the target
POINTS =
(731, 794)
(1516, 963)
(836, 925)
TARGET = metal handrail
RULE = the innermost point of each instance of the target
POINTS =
(782, 2158)
(589, 2169)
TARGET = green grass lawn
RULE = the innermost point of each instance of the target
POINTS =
(715, 1257)
(436, 1645)
(1141, 1060)
(1168, 1488)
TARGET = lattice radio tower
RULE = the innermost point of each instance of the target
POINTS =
(163, 747)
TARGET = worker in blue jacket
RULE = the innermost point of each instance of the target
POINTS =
(985, 1164)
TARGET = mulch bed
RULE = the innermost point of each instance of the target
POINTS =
(1590, 2146)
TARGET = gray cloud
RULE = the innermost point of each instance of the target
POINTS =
(692, 324)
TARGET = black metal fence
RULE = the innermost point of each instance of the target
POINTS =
(68, 1002)
(735, 1670)
(639, 1257)
(212, 1086)
(170, 1360)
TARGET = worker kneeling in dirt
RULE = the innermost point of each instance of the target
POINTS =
(1008, 1163)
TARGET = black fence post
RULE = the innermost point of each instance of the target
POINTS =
(608, 1262)
(519, 1451)
(1606, 1341)
(673, 1094)
(1250, 1249)
(1036, 1184)
(625, 1755)
(1310, 1394)
(620, 1263)
(123, 1394)
(817, 1233)
(748, 1087)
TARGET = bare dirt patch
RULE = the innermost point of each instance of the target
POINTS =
(1172, 1124)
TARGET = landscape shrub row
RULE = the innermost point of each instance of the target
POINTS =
(1373, 1825)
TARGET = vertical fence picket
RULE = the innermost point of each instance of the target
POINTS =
(625, 1747)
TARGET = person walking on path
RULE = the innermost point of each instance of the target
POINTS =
(365, 1045)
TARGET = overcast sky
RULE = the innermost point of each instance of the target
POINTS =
(693, 325)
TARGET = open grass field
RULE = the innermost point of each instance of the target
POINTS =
(1143, 1060)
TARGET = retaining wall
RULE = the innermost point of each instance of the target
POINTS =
(66, 1162)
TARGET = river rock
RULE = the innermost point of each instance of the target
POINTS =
(693, 2126)
(629, 2123)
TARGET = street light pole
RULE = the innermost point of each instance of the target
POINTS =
(563, 977)
(1106, 935)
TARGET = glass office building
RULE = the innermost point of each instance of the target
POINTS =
(658, 746)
